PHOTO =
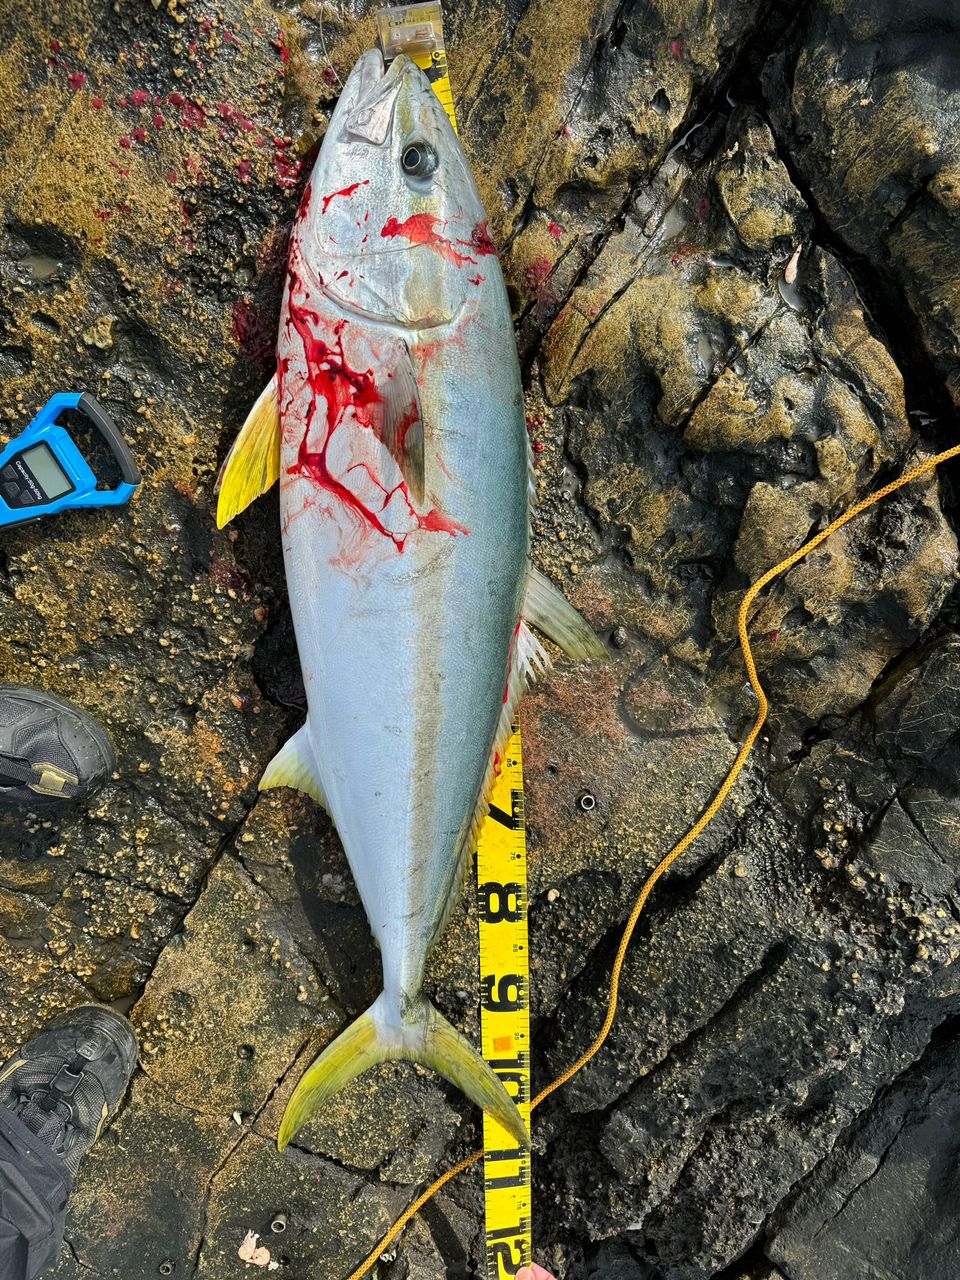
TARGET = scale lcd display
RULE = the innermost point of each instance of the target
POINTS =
(47, 472)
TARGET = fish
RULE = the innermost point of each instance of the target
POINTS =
(395, 424)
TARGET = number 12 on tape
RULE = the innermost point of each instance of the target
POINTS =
(505, 1012)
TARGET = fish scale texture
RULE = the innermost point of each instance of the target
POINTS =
(787, 1046)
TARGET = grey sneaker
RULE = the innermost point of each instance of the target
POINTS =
(65, 1082)
(50, 750)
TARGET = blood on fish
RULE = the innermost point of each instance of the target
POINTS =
(305, 201)
(420, 228)
(482, 240)
(342, 388)
(477, 279)
(347, 191)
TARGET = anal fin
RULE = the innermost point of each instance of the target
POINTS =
(295, 766)
(253, 463)
(546, 609)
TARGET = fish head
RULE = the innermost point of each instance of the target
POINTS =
(393, 226)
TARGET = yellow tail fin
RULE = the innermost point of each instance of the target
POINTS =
(422, 1035)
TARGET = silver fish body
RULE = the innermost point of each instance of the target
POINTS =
(404, 506)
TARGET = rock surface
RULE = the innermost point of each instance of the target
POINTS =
(701, 397)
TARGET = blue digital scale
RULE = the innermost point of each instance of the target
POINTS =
(42, 472)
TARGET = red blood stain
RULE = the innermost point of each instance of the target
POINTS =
(329, 75)
(280, 44)
(536, 276)
(230, 38)
(77, 80)
(55, 46)
(171, 176)
(774, 635)
(286, 169)
(478, 279)
(347, 191)
(419, 228)
(305, 201)
(481, 240)
(97, 104)
(101, 214)
(229, 577)
(193, 116)
(556, 230)
(124, 173)
(255, 334)
(342, 388)
(126, 143)
(684, 250)
(139, 98)
(537, 273)
(158, 121)
(176, 100)
(243, 168)
(139, 134)
(233, 115)
(676, 48)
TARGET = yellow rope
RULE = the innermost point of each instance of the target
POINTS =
(695, 831)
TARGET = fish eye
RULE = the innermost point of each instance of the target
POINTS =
(419, 160)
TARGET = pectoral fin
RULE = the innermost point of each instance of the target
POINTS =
(295, 766)
(399, 422)
(545, 608)
(253, 462)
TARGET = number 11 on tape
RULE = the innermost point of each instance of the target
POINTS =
(505, 1012)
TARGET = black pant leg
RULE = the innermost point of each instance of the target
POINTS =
(34, 1188)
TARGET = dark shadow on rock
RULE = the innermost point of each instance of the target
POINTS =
(351, 962)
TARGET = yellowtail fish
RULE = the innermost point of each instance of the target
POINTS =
(396, 426)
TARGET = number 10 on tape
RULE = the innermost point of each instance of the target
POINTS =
(505, 1012)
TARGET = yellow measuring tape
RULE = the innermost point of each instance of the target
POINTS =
(743, 617)
(505, 1011)
(417, 31)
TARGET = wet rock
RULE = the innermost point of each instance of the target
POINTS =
(755, 418)
(896, 1167)
(865, 93)
(141, 1196)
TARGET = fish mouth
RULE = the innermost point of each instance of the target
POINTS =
(371, 113)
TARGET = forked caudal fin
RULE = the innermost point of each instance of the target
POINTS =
(422, 1035)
